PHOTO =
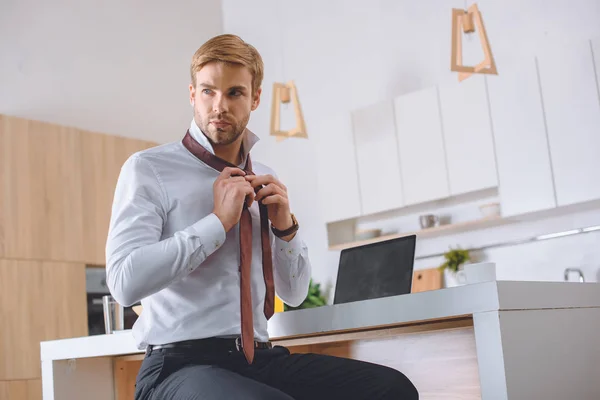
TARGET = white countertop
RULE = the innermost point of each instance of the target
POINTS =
(445, 303)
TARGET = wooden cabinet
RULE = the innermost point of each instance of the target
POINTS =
(38, 301)
(572, 110)
(468, 136)
(21, 390)
(523, 160)
(56, 189)
(103, 157)
(421, 146)
(42, 203)
(337, 178)
(377, 158)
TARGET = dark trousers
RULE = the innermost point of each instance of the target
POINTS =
(184, 374)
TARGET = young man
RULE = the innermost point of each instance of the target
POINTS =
(203, 236)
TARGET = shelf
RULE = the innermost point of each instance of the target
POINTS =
(430, 232)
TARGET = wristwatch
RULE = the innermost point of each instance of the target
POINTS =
(288, 231)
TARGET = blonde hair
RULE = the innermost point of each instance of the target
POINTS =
(232, 49)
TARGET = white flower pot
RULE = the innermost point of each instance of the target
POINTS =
(452, 279)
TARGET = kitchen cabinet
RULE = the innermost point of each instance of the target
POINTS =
(377, 158)
(337, 178)
(41, 190)
(421, 146)
(56, 189)
(522, 155)
(468, 136)
(21, 390)
(572, 109)
(103, 157)
(38, 301)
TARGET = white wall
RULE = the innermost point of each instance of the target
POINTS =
(346, 54)
(117, 67)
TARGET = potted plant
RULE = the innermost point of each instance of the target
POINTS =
(452, 267)
(314, 298)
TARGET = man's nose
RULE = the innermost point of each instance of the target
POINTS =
(219, 104)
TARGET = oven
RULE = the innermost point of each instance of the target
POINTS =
(96, 288)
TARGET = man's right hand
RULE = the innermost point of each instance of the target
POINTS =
(230, 190)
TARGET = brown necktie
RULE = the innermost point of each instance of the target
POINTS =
(245, 249)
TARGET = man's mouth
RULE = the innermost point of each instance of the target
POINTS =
(220, 124)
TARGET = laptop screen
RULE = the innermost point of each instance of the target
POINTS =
(376, 270)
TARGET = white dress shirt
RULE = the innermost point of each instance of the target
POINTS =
(168, 250)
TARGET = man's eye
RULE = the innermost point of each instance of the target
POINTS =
(235, 93)
(206, 91)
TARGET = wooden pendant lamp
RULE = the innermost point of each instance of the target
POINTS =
(466, 21)
(284, 93)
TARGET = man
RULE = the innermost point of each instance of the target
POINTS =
(204, 236)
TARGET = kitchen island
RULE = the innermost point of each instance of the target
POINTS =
(489, 340)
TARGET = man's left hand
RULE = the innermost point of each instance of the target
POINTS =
(274, 195)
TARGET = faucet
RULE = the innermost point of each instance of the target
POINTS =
(568, 270)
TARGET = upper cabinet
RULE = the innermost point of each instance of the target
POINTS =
(468, 136)
(56, 190)
(421, 146)
(572, 110)
(339, 195)
(377, 158)
(524, 168)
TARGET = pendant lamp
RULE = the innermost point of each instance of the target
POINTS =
(467, 21)
(284, 93)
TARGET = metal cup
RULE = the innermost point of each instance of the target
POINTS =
(114, 317)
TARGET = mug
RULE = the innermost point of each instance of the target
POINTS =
(428, 221)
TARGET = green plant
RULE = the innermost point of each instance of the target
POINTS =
(312, 300)
(454, 259)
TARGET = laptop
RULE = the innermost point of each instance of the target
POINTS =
(376, 270)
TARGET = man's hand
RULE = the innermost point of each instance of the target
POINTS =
(230, 190)
(274, 196)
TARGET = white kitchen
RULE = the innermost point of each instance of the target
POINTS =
(483, 143)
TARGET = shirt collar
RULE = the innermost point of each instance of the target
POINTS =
(249, 140)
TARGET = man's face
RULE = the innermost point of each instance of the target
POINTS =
(222, 101)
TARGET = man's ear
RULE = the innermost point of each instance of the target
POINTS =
(256, 99)
(192, 94)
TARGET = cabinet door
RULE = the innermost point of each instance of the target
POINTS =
(42, 207)
(377, 156)
(421, 146)
(337, 178)
(468, 136)
(103, 157)
(522, 155)
(38, 301)
(21, 390)
(572, 110)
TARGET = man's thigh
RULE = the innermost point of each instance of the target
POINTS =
(315, 376)
(204, 382)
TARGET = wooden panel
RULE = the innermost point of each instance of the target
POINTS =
(437, 369)
(421, 146)
(21, 390)
(103, 157)
(426, 279)
(572, 110)
(524, 167)
(338, 187)
(468, 136)
(42, 205)
(38, 301)
(125, 375)
(377, 156)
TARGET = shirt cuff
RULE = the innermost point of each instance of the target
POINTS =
(289, 250)
(211, 233)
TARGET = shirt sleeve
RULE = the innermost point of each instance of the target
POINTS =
(291, 269)
(139, 263)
